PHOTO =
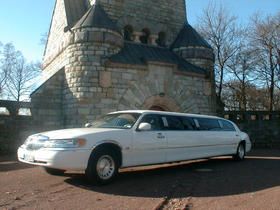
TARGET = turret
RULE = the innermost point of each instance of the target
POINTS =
(193, 48)
(95, 38)
(96, 27)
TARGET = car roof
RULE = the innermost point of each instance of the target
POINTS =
(166, 113)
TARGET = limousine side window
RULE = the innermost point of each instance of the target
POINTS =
(178, 123)
(188, 123)
(154, 120)
(208, 124)
(227, 126)
(174, 123)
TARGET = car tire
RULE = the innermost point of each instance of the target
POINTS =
(240, 153)
(103, 166)
(53, 171)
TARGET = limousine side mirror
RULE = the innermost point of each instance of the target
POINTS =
(145, 127)
(88, 125)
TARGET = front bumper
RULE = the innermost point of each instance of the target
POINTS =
(65, 159)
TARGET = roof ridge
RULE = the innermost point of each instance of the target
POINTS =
(85, 15)
(135, 53)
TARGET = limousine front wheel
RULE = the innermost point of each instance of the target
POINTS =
(241, 152)
(102, 167)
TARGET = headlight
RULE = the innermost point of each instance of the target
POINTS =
(36, 139)
(65, 143)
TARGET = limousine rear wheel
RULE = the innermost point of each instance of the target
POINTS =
(102, 167)
(241, 152)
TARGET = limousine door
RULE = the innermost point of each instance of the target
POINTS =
(184, 141)
(218, 139)
(149, 146)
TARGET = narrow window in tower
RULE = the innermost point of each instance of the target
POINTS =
(145, 36)
(128, 33)
(161, 41)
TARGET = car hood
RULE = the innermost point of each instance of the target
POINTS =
(73, 133)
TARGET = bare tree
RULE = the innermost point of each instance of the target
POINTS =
(20, 80)
(44, 39)
(255, 97)
(220, 29)
(7, 63)
(277, 46)
(16, 74)
(265, 38)
(241, 66)
(1, 73)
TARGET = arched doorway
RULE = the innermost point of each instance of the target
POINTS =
(161, 103)
(157, 108)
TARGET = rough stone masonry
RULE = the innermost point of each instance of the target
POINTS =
(109, 55)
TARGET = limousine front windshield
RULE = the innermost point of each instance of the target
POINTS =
(120, 121)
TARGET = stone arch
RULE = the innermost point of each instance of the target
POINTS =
(166, 103)
(157, 108)
(161, 91)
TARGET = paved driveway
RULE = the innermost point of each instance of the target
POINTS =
(219, 183)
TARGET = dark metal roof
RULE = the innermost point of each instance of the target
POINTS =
(139, 54)
(96, 17)
(74, 11)
(188, 36)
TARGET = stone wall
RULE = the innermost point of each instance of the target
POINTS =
(14, 128)
(135, 87)
(262, 127)
(117, 87)
(157, 16)
(47, 102)
(58, 40)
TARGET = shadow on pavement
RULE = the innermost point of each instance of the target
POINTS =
(215, 177)
(10, 163)
(12, 166)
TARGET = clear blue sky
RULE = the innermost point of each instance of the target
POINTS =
(23, 22)
(243, 9)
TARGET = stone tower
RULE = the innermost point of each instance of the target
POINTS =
(104, 56)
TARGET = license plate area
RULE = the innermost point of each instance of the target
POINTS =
(28, 157)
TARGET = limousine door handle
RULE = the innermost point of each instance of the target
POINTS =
(160, 136)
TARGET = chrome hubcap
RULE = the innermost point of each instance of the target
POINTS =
(241, 151)
(105, 167)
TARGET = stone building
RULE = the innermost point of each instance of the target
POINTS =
(108, 55)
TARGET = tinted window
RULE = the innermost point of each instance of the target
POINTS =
(154, 120)
(208, 124)
(227, 126)
(119, 120)
(188, 123)
(174, 123)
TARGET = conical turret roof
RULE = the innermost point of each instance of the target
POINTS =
(188, 36)
(96, 17)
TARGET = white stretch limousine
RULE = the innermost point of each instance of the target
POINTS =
(133, 138)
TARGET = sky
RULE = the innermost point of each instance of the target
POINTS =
(23, 22)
